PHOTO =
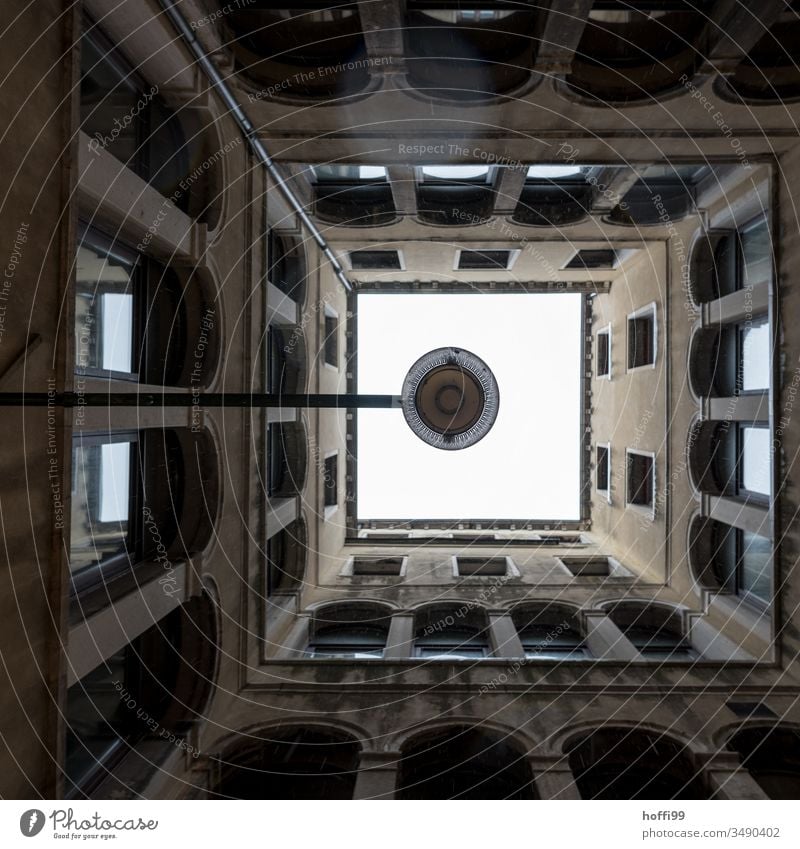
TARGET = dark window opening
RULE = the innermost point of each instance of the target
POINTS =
(604, 354)
(603, 468)
(331, 483)
(331, 344)
(641, 341)
(483, 260)
(641, 484)
(593, 259)
(369, 260)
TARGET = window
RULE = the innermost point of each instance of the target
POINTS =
(126, 117)
(756, 247)
(588, 567)
(603, 469)
(452, 643)
(553, 641)
(659, 643)
(278, 473)
(642, 338)
(103, 503)
(482, 566)
(356, 641)
(125, 486)
(593, 259)
(378, 565)
(754, 356)
(331, 342)
(130, 314)
(604, 352)
(456, 173)
(331, 482)
(742, 563)
(348, 173)
(754, 469)
(640, 484)
(484, 260)
(378, 260)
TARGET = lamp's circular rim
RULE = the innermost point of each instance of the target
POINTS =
(485, 380)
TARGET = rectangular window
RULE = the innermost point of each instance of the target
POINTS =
(377, 565)
(103, 498)
(331, 483)
(105, 309)
(331, 345)
(369, 260)
(603, 471)
(483, 260)
(588, 567)
(754, 356)
(754, 469)
(756, 246)
(754, 567)
(277, 463)
(640, 479)
(642, 338)
(479, 566)
(603, 358)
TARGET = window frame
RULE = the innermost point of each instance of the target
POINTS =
(603, 331)
(330, 507)
(649, 509)
(330, 339)
(648, 311)
(604, 446)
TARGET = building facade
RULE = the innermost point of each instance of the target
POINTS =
(197, 601)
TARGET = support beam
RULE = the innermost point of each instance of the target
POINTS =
(508, 188)
(377, 775)
(613, 184)
(563, 29)
(156, 400)
(404, 189)
(400, 641)
(383, 25)
(504, 637)
(749, 517)
(740, 408)
(553, 777)
(733, 30)
(604, 640)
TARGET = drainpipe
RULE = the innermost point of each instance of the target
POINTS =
(250, 134)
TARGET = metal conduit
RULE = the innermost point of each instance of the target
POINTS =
(249, 133)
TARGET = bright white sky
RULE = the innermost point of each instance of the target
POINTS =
(528, 465)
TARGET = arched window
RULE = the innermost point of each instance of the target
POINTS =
(286, 360)
(455, 195)
(299, 52)
(468, 54)
(353, 195)
(451, 632)
(549, 632)
(555, 196)
(153, 689)
(730, 560)
(358, 632)
(772, 756)
(769, 73)
(287, 265)
(127, 117)
(286, 559)
(129, 492)
(287, 459)
(627, 54)
(463, 762)
(656, 632)
(292, 763)
(726, 261)
(621, 763)
(135, 319)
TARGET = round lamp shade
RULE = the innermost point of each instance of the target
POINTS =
(450, 398)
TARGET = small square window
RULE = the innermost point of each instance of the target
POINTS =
(641, 471)
(603, 358)
(481, 566)
(642, 338)
(483, 260)
(603, 469)
(593, 259)
(331, 483)
(377, 565)
(368, 260)
(331, 345)
(588, 567)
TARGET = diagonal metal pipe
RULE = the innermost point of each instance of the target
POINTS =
(250, 134)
